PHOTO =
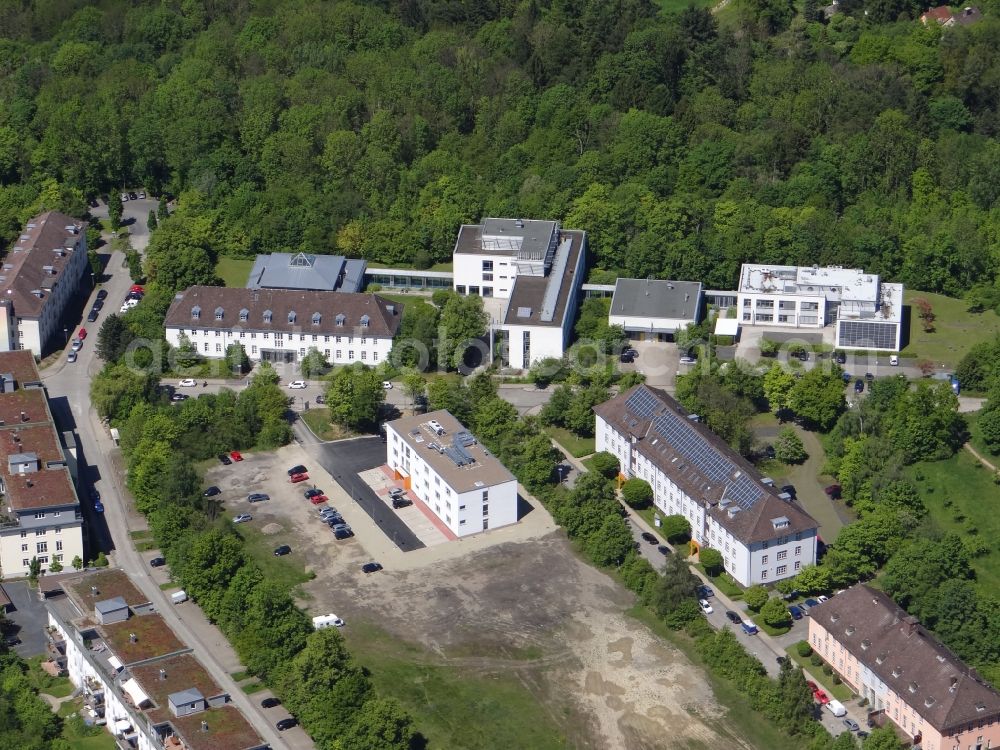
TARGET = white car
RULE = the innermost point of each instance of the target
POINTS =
(242, 518)
(124, 197)
(142, 196)
(822, 598)
(188, 383)
(705, 606)
(894, 360)
(77, 345)
(297, 384)
(688, 360)
(387, 385)
(71, 357)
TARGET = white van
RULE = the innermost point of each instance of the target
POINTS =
(836, 708)
(327, 621)
(179, 596)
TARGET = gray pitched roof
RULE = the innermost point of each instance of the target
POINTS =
(651, 298)
(909, 660)
(111, 605)
(328, 273)
(190, 695)
(528, 294)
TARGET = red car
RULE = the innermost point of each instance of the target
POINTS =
(821, 697)
(833, 491)
(318, 499)
(137, 288)
(812, 685)
(82, 334)
(296, 478)
(236, 455)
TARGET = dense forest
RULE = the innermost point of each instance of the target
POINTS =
(684, 143)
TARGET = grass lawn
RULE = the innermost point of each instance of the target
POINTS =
(765, 627)
(449, 266)
(955, 329)
(453, 707)
(577, 446)
(976, 438)
(403, 299)
(82, 737)
(240, 676)
(840, 692)
(141, 534)
(253, 687)
(146, 545)
(676, 6)
(319, 422)
(287, 572)
(741, 724)
(960, 496)
(234, 272)
(57, 687)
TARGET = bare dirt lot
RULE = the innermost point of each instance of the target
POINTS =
(469, 632)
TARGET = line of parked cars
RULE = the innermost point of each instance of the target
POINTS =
(133, 298)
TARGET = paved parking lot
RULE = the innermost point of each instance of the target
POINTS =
(29, 617)
(416, 519)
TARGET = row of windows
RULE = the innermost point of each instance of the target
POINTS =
(780, 571)
(782, 554)
(43, 546)
(487, 291)
(268, 316)
(278, 336)
(44, 560)
(41, 532)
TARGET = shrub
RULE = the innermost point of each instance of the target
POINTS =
(815, 660)
(711, 559)
(803, 649)
(827, 669)
(637, 493)
(605, 464)
(676, 529)
(755, 597)
(836, 679)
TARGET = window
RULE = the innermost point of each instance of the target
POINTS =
(205, 347)
(266, 335)
(350, 354)
(219, 313)
(59, 546)
(253, 349)
(24, 534)
(338, 354)
(341, 318)
(797, 565)
(25, 562)
(315, 337)
(317, 319)
(244, 315)
(364, 355)
(461, 507)
(486, 510)
(39, 532)
(486, 496)
(782, 554)
(460, 288)
(291, 316)
(487, 266)
(42, 547)
(474, 290)
(243, 334)
(365, 320)
(59, 529)
(487, 291)
(462, 522)
(218, 347)
(782, 569)
(24, 548)
(196, 312)
(338, 339)
(764, 545)
(58, 558)
(374, 356)
(268, 316)
(763, 560)
(218, 333)
(763, 575)
(798, 550)
(40, 515)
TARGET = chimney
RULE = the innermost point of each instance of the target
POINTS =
(93, 590)
(132, 638)
(204, 726)
(163, 674)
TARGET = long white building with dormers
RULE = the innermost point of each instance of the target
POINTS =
(282, 325)
(763, 535)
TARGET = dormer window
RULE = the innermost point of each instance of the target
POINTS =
(268, 315)
(897, 671)
(866, 644)
(365, 320)
(317, 318)
(219, 313)
(341, 318)
(244, 315)
(196, 312)
(291, 316)
(912, 687)
(850, 630)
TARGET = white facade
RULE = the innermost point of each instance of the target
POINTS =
(483, 275)
(537, 342)
(782, 554)
(469, 499)
(866, 312)
(62, 541)
(340, 347)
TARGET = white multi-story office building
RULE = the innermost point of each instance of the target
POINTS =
(451, 473)
(40, 276)
(41, 514)
(763, 534)
(867, 313)
(136, 678)
(533, 270)
(279, 325)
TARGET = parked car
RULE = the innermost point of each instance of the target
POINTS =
(372, 567)
(77, 345)
(92, 316)
(342, 534)
(157, 562)
(386, 385)
(705, 592)
(647, 537)
(869, 376)
(188, 383)
(705, 606)
(840, 358)
(859, 386)
(822, 598)
(810, 603)
(81, 334)
(327, 511)
(242, 518)
(236, 455)
(846, 376)
(312, 493)
(283, 550)
(300, 469)
(851, 724)
(632, 352)
(257, 497)
(687, 360)
(769, 451)
(663, 549)
(820, 697)
(748, 627)
(733, 617)
(832, 491)
(626, 358)
(270, 702)
(288, 723)
(894, 360)
(801, 355)
(297, 384)
(795, 612)
(124, 197)
(223, 458)
(142, 196)
(102, 294)
(212, 491)
(99, 507)
(296, 478)
(401, 502)
(788, 488)
(71, 357)
(318, 499)
(133, 196)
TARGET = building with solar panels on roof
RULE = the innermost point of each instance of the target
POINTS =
(529, 273)
(452, 474)
(762, 533)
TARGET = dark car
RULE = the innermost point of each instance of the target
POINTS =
(98, 304)
(705, 592)
(846, 376)
(300, 469)
(257, 497)
(631, 352)
(627, 358)
(133, 196)
(212, 491)
(343, 534)
(401, 502)
(789, 488)
(270, 702)
(184, 397)
(334, 519)
(647, 537)
(810, 603)
(859, 385)
(781, 659)
(283, 550)
(102, 293)
(288, 723)
(157, 562)
(309, 494)
(869, 376)
(99, 507)
(862, 734)
(663, 549)
(769, 451)
(224, 459)
(795, 612)
(802, 355)
(92, 316)
(840, 358)
(833, 491)
(372, 567)
(733, 617)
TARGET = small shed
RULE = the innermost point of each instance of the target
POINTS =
(186, 702)
(111, 610)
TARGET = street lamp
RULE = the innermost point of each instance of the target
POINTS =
(66, 335)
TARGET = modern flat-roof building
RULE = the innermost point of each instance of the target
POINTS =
(41, 514)
(653, 310)
(451, 473)
(279, 325)
(763, 534)
(534, 269)
(135, 675)
(907, 676)
(41, 273)
(307, 272)
(867, 313)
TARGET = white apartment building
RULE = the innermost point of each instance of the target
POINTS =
(281, 325)
(529, 273)
(40, 516)
(867, 313)
(451, 473)
(763, 535)
(137, 679)
(40, 276)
